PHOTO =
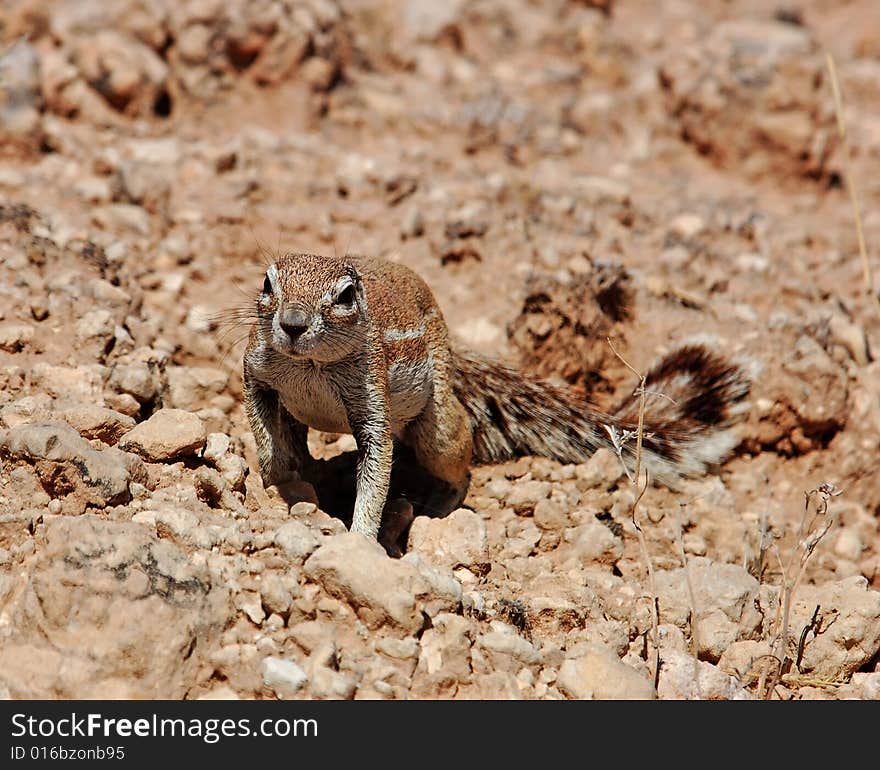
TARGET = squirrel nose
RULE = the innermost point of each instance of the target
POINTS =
(294, 323)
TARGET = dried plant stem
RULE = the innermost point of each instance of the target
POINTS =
(649, 565)
(695, 627)
(640, 492)
(867, 273)
(815, 523)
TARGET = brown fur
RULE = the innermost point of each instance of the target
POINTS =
(382, 366)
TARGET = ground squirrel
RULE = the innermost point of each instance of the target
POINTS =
(358, 345)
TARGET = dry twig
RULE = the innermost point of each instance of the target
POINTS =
(867, 274)
(619, 443)
(695, 633)
(815, 523)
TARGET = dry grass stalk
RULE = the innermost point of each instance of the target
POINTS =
(755, 563)
(695, 628)
(867, 274)
(639, 493)
(815, 523)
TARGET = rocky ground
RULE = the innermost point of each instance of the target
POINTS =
(559, 172)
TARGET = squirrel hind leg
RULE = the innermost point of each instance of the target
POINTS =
(441, 439)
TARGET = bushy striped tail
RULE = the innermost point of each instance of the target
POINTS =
(694, 398)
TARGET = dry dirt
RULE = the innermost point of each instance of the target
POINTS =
(559, 172)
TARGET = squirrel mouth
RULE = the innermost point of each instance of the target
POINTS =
(296, 349)
(303, 349)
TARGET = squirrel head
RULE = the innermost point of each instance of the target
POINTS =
(312, 308)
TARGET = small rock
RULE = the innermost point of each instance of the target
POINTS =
(129, 74)
(498, 489)
(596, 190)
(715, 633)
(522, 539)
(183, 525)
(106, 609)
(479, 332)
(284, 51)
(357, 570)
(124, 403)
(167, 435)
(550, 515)
(746, 660)
(39, 308)
(458, 540)
(327, 684)
(146, 183)
(445, 655)
(470, 221)
(694, 544)
(848, 545)
(250, 604)
(94, 189)
(135, 378)
(81, 383)
(751, 261)
(554, 615)
(212, 489)
(413, 224)
(220, 692)
(284, 676)
(191, 387)
(233, 469)
(671, 637)
(37, 408)
(97, 422)
(193, 43)
(401, 649)
(724, 588)
(21, 99)
(687, 225)
(678, 681)
(870, 686)
(296, 539)
(594, 542)
(11, 178)
(849, 619)
(440, 591)
(851, 337)
(318, 73)
(123, 218)
(599, 674)
(525, 495)
(505, 650)
(95, 324)
(601, 471)
(15, 337)
(276, 594)
(62, 455)
(313, 635)
(427, 21)
(200, 319)
(216, 445)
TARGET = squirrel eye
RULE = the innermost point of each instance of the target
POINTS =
(267, 285)
(346, 296)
